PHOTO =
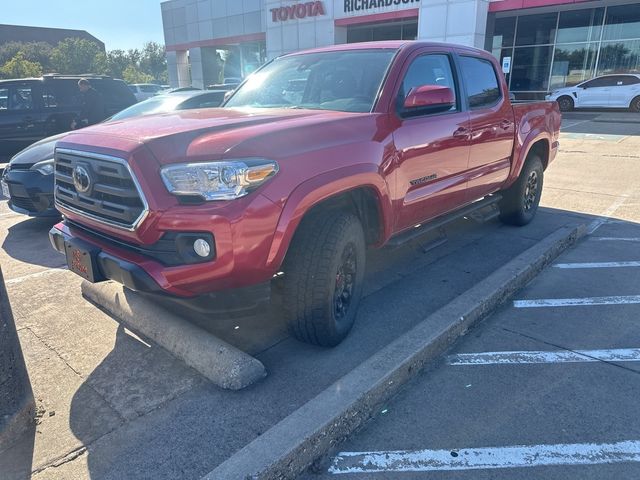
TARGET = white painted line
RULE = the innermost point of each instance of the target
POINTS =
(598, 265)
(559, 356)
(44, 273)
(486, 458)
(596, 224)
(576, 302)
(617, 239)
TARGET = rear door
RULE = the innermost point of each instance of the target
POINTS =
(433, 148)
(492, 126)
(627, 87)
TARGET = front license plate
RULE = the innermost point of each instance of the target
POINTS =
(81, 261)
(5, 189)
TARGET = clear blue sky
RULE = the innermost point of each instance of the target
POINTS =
(119, 24)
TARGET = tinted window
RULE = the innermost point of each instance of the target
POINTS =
(4, 98)
(536, 29)
(114, 92)
(630, 80)
(481, 81)
(20, 98)
(428, 70)
(601, 82)
(65, 92)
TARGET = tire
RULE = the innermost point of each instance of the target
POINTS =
(323, 275)
(520, 202)
(565, 103)
(634, 106)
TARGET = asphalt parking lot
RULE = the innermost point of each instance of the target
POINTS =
(114, 405)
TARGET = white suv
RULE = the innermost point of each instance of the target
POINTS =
(142, 91)
(608, 91)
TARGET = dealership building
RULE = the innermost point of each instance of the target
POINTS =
(542, 44)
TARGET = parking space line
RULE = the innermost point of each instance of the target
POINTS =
(574, 302)
(559, 356)
(51, 271)
(616, 239)
(604, 218)
(486, 458)
(598, 265)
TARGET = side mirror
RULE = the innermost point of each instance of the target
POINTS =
(227, 95)
(429, 99)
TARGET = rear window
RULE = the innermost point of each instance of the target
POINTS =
(114, 92)
(481, 81)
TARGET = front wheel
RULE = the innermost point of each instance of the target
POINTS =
(323, 275)
(520, 202)
(565, 104)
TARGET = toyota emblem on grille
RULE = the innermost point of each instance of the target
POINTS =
(81, 179)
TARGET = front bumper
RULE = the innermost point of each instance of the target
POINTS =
(31, 193)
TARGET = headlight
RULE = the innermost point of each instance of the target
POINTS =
(223, 180)
(45, 167)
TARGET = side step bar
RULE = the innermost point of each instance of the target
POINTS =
(473, 211)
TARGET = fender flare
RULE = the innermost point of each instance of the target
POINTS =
(322, 187)
(522, 152)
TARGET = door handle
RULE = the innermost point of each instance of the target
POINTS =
(461, 132)
(505, 124)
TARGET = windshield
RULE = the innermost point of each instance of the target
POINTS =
(159, 104)
(345, 81)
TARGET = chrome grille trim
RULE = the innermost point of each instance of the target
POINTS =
(61, 204)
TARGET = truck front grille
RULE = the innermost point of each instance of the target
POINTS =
(103, 188)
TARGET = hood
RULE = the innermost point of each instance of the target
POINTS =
(37, 152)
(215, 133)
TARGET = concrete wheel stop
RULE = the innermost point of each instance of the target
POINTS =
(222, 363)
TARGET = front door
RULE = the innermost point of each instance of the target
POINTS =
(433, 148)
(595, 93)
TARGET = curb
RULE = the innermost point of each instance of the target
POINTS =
(222, 363)
(289, 447)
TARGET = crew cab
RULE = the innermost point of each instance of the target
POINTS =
(314, 157)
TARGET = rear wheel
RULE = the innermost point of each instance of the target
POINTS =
(634, 106)
(323, 275)
(520, 202)
(566, 103)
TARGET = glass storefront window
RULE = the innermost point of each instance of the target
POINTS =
(622, 22)
(536, 29)
(619, 57)
(530, 68)
(402, 30)
(580, 25)
(573, 64)
(503, 32)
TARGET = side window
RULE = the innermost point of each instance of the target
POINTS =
(4, 98)
(430, 69)
(20, 98)
(601, 82)
(481, 81)
(629, 80)
(49, 99)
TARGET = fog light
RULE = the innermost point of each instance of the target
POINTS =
(202, 247)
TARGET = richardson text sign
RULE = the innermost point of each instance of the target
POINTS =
(359, 5)
(298, 10)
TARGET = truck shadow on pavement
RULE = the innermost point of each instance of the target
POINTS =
(157, 418)
(28, 242)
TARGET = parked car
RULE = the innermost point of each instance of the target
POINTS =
(142, 91)
(36, 108)
(387, 140)
(178, 89)
(28, 179)
(607, 91)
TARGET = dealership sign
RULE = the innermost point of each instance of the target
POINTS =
(358, 5)
(299, 10)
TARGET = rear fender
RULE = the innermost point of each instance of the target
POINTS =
(320, 188)
(522, 150)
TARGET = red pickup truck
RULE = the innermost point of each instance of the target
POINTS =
(315, 156)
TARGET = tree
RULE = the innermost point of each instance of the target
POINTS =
(19, 67)
(73, 56)
(153, 61)
(132, 74)
(37, 52)
(117, 62)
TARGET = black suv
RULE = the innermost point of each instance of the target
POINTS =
(35, 108)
